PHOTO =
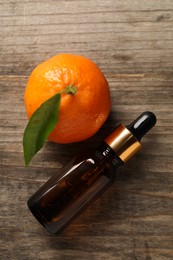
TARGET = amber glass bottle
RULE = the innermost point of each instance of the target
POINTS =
(67, 193)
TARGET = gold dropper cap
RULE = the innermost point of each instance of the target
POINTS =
(123, 143)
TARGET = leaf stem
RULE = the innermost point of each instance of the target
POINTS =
(69, 90)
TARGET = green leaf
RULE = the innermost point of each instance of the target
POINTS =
(40, 126)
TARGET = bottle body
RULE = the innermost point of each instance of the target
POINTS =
(69, 192)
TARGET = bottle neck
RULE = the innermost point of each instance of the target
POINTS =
(109, 155)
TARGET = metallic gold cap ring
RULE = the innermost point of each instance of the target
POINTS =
(123, 142)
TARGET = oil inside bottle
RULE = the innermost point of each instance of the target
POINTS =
(57, 202)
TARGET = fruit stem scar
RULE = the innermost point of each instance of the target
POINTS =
(69, 90)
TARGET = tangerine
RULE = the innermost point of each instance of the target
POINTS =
(82, 114)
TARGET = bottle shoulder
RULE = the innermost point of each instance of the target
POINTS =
(102, 155)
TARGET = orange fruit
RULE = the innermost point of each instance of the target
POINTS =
(82, 114)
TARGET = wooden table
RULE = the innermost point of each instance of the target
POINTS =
(132, 43)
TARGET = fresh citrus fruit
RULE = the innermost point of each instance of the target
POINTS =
(82, 114)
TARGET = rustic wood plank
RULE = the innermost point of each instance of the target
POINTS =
(132, 42)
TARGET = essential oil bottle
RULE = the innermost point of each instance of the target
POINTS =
(75, 186)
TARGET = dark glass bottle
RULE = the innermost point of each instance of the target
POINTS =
(67, 193)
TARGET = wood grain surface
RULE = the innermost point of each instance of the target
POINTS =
(132, 43)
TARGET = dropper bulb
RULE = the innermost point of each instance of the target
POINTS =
(141, 125)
